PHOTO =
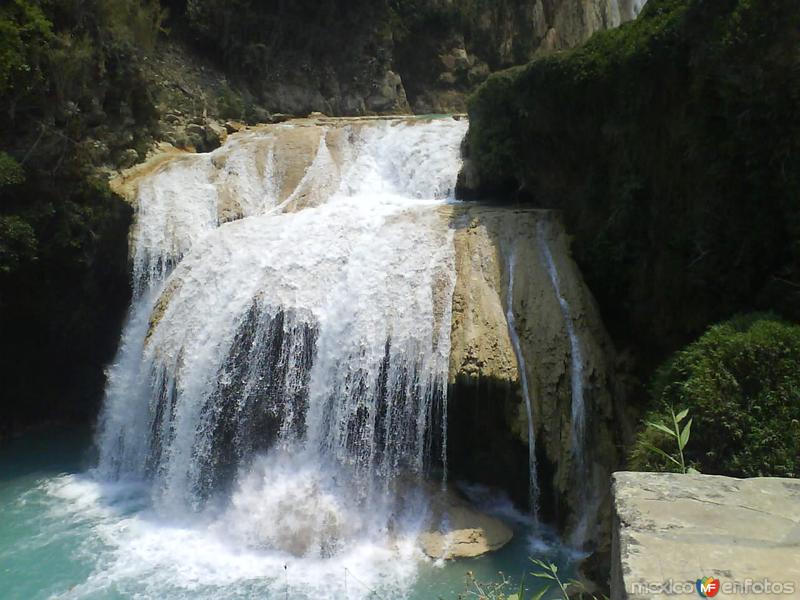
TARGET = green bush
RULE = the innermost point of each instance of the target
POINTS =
(230, 104)
(11, 172)
(17, 243)
(277, 38)
(24, 30)
(741, 383)
(72, 78)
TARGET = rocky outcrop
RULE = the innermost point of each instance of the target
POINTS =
(484, 373)
(449, 48)
(672, 529)
(480, 344)
(463, 531)
(382, 57)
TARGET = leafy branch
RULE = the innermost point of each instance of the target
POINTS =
(549, 571)
(680, 434)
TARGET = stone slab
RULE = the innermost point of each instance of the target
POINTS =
(675, 529)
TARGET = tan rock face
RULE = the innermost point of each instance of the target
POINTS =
(126, 183)
(481, 348)
(680, 528)
(480, 343)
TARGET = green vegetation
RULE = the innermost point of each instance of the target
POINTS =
(678, 432)
(742, 383)
(673, 146)
(69, 72)
(73, 97)
(11, 172)
(568, 589)
(476, 20)
(495, 33)
(506, 589)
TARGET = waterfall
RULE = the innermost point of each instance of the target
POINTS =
(576, 360)
(533, 473)
(578, 408)
(285, 358)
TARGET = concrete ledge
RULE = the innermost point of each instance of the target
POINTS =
(670, 530)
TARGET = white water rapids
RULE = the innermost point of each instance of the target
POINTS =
(288, 388)
(275, 419)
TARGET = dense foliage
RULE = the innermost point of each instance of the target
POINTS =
(741, 384)
(73, 97)
(673, 146)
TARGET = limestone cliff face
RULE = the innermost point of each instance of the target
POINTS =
(482, 356)
(448, 48)
(367, 57)
(480, 344)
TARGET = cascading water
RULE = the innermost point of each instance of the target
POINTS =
(533, 471)
(578, 408)
(284, 375)
(578, 430)
(274, 422)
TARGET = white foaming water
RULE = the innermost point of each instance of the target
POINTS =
(533, 472)
(281, 382)
(136, 552)
(179, 204)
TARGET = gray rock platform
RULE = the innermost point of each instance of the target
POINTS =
(670, 530)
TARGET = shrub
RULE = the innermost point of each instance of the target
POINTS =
(17, 243)
(741, 382)
(11, 172)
